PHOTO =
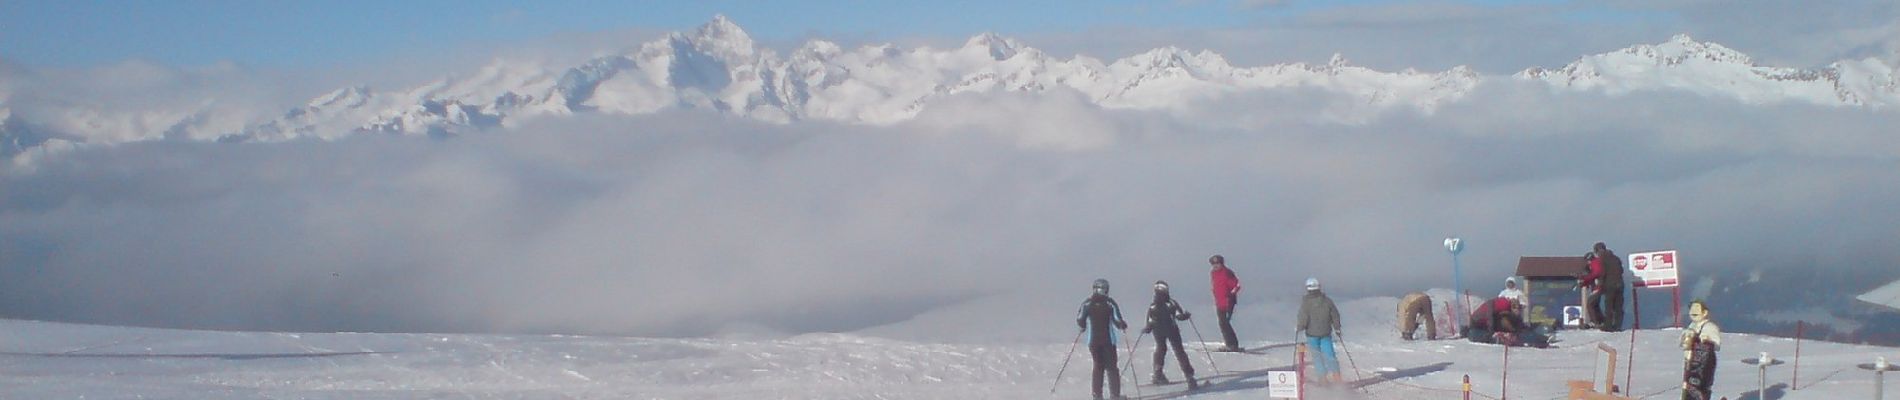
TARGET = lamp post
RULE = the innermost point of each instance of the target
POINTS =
(1455, 245)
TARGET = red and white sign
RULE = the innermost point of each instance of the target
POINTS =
(1655, 269)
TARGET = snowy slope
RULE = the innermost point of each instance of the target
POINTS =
(52, 360)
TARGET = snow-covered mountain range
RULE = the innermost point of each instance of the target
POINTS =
(719, 67)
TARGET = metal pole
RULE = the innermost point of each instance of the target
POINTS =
(1204, 350)
(1065, 362)
(1761, 380)
(1457, 282)
(1880, 383)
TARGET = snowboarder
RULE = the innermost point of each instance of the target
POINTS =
(1414, 307)
(1101, 317)
(1610, 287)
(1226, 293)
(1700, 342)
(1318, 321)
(1162, 314)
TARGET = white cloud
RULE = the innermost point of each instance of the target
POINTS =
(691, 224)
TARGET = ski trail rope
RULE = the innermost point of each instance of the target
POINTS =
(1423, 387)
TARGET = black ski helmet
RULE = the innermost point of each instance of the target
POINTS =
(1100, 287)
(1161, 286)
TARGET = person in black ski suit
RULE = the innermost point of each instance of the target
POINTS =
(1101, 317)
(1611, 284)
(1162, 315)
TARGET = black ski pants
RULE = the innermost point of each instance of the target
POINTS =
(1162, 341)
(1612, 308)
(1105, 366)
(1227, 328)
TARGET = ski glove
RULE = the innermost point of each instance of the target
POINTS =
(1184, 316)
(1146, 329)
(1122, 325)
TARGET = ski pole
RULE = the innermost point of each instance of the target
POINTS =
(1349, 360)
(1065, 361)
(1136, 379)
(1204, 350)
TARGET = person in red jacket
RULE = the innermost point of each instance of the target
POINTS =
(1226, 293)
(1593, 293)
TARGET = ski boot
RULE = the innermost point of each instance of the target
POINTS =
(1193, 384)
(1159, 379)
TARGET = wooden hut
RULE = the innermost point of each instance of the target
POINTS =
(1547, 287)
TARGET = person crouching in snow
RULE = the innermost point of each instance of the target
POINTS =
(1700, 341)
(1414, 308)
(1499, 321)
(1162, 315)
(1318, 320)
(1101, 317)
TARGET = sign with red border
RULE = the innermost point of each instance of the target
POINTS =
(1658, 269)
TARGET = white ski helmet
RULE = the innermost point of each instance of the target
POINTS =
(1161, 286)
(1312, 284)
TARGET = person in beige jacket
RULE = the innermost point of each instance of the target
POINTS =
(1413, 308)
(1700, 341)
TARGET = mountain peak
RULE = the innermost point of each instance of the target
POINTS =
(723, 31)
(999, 47)
(1338, 61)
(1681, 47)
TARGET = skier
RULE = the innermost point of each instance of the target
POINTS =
(1226, 293)
(1610, 287)
(1318, 321)
(1098, 315)
(1699, 344)
(1162, 314)
(1414, 307)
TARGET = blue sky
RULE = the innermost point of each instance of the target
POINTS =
(267, 33)
(318, 33)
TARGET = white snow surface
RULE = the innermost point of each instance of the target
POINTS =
(43, 360)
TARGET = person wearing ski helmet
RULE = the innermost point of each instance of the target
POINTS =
(1100, 317)
(1318, 322)
(1226, 295)
(1162, 314)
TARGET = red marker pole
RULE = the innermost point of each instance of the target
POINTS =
(1636, 301)
(1299, 370)
(1800, 327)
(1504, 385)
(1678, 304)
